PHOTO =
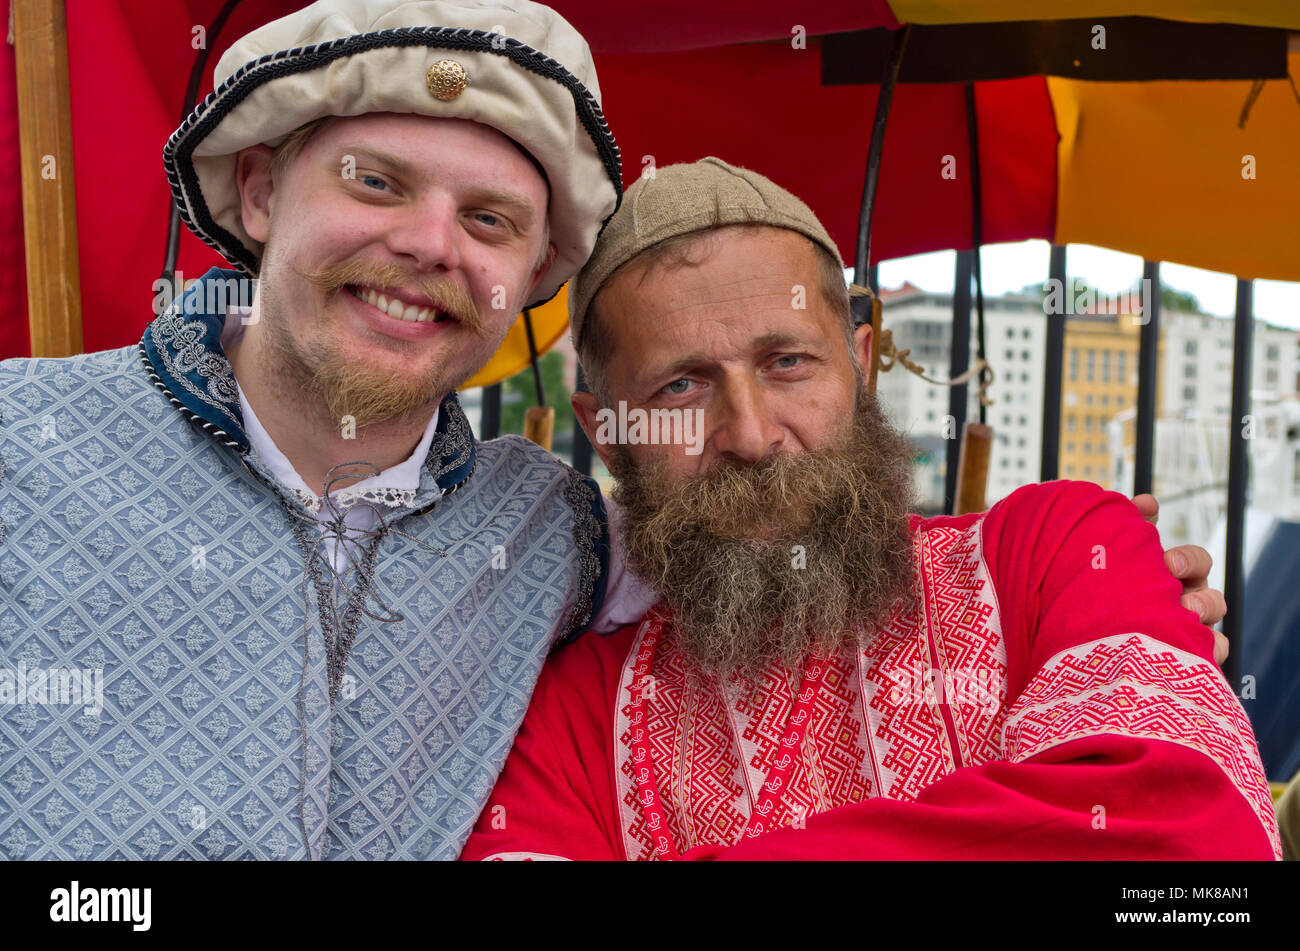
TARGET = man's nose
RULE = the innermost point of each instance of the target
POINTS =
(748, 429)
(428, 234)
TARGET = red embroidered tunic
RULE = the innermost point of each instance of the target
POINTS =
(1048, 697)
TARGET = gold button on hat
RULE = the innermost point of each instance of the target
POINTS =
(447, 79)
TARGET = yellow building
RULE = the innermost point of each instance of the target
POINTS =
(1099, 382)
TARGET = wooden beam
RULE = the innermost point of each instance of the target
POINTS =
(973, 468)
(49, 193)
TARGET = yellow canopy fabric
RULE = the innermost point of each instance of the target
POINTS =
(550, 322)
(1278, 13)
(1161, 169)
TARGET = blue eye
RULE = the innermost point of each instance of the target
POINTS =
(677, 392)
(491, 219)
(787, 366)
(367, 179)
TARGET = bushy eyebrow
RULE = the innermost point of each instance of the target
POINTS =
(398, 165)
(524, 210)
(690, 361)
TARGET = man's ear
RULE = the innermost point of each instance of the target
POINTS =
(585, 407)
(862, 350)
(253, 178)
(541, 269)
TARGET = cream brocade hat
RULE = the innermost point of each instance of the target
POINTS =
(516, 66)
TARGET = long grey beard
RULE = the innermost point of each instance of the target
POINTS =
(797, 554)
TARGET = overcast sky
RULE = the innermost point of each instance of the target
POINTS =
(1009, 267)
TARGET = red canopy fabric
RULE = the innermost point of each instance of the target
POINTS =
(682, 81)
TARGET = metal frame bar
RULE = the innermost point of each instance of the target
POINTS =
(582, 451)
(1049, 465)
(1234, 569)
(490, 427)
(1148, 358)
(977, 234)
(958, 362)
(875, 152)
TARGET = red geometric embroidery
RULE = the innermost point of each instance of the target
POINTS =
(877, 730)
(1135, 685)
(928, 693)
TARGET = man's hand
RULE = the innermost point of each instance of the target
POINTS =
(1190, 564)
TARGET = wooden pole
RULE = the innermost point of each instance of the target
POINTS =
(973, 468)
(49, 195)
(539, 425)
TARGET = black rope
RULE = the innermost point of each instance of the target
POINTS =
(191, 98)
(862, 259)
(532, 355)
(977, 234)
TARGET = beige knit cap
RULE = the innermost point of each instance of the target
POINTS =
(680, 199)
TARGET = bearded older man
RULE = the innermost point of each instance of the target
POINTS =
(302, 655)
(826, 676)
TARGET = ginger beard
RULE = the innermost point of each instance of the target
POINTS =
(349, 386)
(719, 547)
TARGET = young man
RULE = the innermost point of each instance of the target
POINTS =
(309, 606)
(825, 675)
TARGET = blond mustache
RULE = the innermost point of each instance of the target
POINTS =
(445, 295)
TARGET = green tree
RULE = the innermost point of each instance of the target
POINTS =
(1174, 299)
(520, 392)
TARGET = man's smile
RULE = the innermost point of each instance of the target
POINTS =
(401, 304)
(397, 318)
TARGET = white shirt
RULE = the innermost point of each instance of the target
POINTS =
(626, 597)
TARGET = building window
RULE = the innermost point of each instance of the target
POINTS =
(1270, 376)
(1092, 365)
(1069, 424)
(1105, 399)
(1271, 352)
(1025, 333)
(1189, 371)
(1074, 363)
(1024, 355)
(1121, 363)
(1087, 399)
(1191, 348)
(1011, 333)
(1189, 393)
(1087, 448)
(1105, 366)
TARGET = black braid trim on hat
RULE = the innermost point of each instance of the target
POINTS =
(178, 152)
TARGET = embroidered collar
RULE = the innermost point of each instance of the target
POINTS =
(182, 355)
